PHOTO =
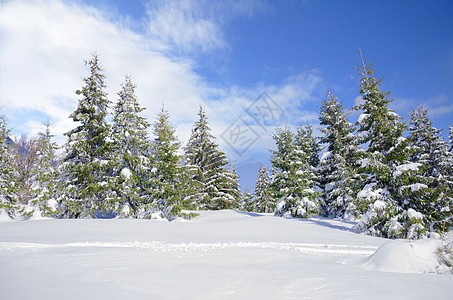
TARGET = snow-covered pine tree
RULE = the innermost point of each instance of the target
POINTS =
(8, 188)
(338, 164)
(46, 188)
(291, 186)
(168, 177)
(309, 148)
(131, 150)
(429, 191)
(213, 187)
(24, 152)
(87, 166)
(264, 202)
(385, 165)
(229, 188)
(248, 203)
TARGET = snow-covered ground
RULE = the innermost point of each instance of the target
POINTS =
(223, 254)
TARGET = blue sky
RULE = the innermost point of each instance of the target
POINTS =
(223, 55)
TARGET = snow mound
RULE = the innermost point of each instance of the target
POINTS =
(404, 256)
(4, 216)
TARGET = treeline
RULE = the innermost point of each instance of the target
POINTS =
(395, 186)
(115, 169)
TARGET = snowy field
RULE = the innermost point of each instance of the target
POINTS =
(219, 255)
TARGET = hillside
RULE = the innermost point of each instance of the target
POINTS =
(223, 254)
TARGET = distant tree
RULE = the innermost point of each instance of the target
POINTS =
(24, 153)
(87, 166)
(248, 203)
(264, 202)
(307, 148)
(339, 163)
(213, 186)
(131, 151)
(291, 185)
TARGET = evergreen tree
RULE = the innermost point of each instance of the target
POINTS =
(429, 191)
(24, 154)
(385, 166)
(248, 203)
(8, 189)
(450, 139)
(87, 165)
(338, 163)
(131, 150)
(307, 149)
(213, 186)
(44, 175)
(230, 188)
(167, 180)
(264, 202)
(292, 184)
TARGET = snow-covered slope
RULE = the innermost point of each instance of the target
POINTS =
(223, 254)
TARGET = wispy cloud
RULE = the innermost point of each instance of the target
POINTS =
(44, 44)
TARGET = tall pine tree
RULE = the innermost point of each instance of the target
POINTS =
(131, 151)
(385, 166)
(87, 165)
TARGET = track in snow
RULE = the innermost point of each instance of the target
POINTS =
(320, 249)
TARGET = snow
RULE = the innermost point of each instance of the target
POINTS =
(222, 254)
(394, 114)
(362, 118)
(417, 186)
(126, 173)
(406, 167)
(403, 256)
(4, 216)
(414, 215)
(368, 192)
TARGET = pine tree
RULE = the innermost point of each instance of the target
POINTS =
(385, 165)
(291, 186)
(248, 202)
(168, 178)
(308, 148)
(24, 154)
(338, 163)
(44, 175)
(8, 188)
(429, 191)
(230, 189)
(213, 187)
(264, 202)
(450, 139)
(131, 150)
(87, 165)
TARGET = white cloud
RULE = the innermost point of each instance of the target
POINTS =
(44, 43)
(184, 25)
